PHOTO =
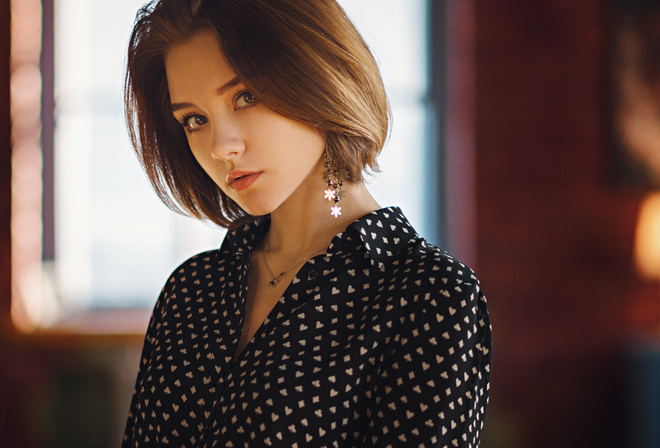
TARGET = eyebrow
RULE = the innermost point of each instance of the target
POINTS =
(226, 86)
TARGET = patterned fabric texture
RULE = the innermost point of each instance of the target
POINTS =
(383, 341)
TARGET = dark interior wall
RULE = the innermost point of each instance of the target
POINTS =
(5, 164)
(555, 231)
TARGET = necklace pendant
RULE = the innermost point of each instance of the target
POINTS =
(273, 283)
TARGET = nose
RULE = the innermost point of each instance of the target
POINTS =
(227, 142)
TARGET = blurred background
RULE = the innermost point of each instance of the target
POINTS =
(526, 141)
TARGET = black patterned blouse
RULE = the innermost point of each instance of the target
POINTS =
(383, 341)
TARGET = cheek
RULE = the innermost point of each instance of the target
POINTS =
(314, 145)
(198, 151)
(215, 170)
(197, 154)
(308, 143)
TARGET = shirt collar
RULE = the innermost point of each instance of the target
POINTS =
(243, 239)
(381, 233)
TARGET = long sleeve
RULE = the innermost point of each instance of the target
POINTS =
(152, 329)
(432, 389)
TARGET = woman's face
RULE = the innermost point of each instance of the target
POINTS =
(258, 157)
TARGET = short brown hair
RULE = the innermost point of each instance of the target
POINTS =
(302, 58)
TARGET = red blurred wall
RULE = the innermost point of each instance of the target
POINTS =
(554, 230)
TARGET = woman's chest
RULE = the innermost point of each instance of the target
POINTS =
(304, 376)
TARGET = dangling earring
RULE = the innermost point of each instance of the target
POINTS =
(335, 191)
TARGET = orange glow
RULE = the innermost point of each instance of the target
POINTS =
(647, 239)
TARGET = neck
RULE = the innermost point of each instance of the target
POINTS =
(303, 224)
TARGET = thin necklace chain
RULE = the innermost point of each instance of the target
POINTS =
(275, 279)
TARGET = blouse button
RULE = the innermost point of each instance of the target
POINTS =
(313, 274)
(346, 244)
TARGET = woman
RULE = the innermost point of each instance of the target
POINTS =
(323, 320)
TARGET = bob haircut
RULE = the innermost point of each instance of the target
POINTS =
(304, 59)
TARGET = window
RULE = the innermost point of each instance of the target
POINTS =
(107, 240)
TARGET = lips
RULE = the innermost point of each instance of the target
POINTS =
(240, 180)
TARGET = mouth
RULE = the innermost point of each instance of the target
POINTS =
(240, 180)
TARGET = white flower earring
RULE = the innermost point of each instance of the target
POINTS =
(335, 191)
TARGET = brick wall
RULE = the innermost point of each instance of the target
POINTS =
(554, 230)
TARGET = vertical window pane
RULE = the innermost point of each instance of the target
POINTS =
(115, 242)
(397, 34)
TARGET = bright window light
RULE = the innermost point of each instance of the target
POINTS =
(115, 243)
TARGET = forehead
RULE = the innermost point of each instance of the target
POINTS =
(196, 64)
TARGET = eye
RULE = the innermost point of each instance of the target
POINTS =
(244, 99)
(193, 122)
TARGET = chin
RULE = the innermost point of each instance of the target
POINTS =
(258, 209)
(260, 203)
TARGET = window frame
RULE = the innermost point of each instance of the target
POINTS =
(450, 163)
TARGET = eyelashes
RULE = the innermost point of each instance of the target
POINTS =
(192, 122)
(244, 99)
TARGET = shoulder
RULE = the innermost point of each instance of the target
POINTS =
(436, 287)
(196, 275)
(433, 269)
(441, 300)
(194, 267)
(421, 253)
(409, 266)
(194, 278)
